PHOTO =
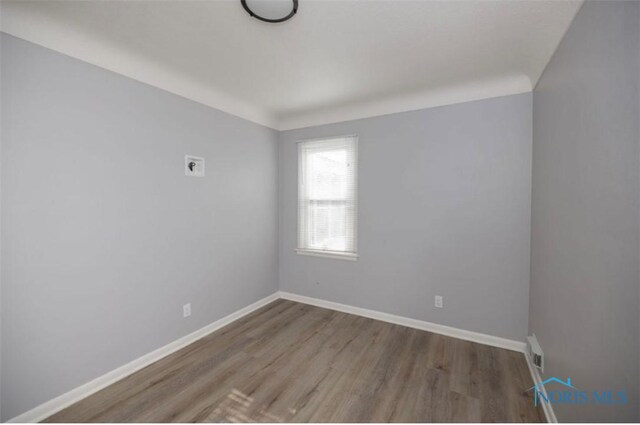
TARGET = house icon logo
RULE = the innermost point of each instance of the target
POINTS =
(565, 393)
(539, 392)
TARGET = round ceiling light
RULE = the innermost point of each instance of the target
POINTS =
(273, 11)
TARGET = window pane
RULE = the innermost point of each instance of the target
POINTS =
(328, 226)
(326, 195)
(327, 174)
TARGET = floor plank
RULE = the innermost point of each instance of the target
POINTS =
(291, 362)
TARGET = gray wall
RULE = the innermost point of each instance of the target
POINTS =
(585, 222)
(104, 238)
(444, 209)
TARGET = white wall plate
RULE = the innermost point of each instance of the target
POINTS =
(193, 166)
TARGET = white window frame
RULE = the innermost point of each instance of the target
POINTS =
(339, 255)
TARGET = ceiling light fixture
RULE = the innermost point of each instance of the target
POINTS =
(272, 11)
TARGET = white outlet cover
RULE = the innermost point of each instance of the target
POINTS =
(186, 310)
(439, 301)
(193, 166)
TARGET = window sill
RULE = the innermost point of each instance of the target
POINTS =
(328, 254)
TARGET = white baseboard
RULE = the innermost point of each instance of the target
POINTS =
(547, 408)
(50, 407)
(480, 338)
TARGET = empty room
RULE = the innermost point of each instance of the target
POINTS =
(313, 211)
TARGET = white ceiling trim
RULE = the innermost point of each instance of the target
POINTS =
(34, 24)
(49, 34)
(39, 29)
(497, 87)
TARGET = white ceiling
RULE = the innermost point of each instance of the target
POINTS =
(335, 60)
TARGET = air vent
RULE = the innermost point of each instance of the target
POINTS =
(535, 352)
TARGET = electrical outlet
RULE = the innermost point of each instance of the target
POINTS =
(439, 301)
(186, 310)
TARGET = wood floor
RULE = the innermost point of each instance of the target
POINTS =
(290, 362)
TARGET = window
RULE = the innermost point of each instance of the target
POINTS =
(327, 207)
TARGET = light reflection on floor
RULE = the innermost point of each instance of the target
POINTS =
(238, 407)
